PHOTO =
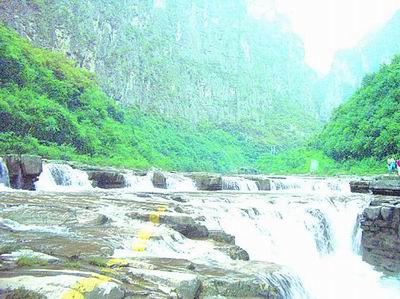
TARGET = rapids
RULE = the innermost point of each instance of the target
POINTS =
(308, 226)
(4, 178)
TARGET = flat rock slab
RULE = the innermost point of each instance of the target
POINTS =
(28, 253)
(52, 284)
(185, 225)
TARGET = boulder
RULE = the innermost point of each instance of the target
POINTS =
(28, 253)
(386, 186)
(380, 239)
(182, 285)
(221, 236)
(159, 180)
(263, 183)
(13, 163)
(185, 225)
(359, 186)
(233, 251)
(31, 165)
(236, 279)
(24, 171)
(207, 182)
(107, 179)
(63, 284)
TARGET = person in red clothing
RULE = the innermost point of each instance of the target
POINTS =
(398, 166)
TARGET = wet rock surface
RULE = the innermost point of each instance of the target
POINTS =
(206, 181)
(263, 183)
(388, 185)
(381, 234)
(86, 245)
(159, 180)
(107, 179)
(361, 186)
(23, 171)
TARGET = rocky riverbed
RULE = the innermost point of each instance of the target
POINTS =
(130, 245)
(90, 232)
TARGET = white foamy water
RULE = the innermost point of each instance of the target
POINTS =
(179, 183)
(15, 226)
(4, 178)
(310, 185)
(62, 177)
(238, 184)
(139, 183)
(316, 241)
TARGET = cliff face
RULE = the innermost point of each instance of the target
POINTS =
(381, 234)
(350, 66)
(199, 59)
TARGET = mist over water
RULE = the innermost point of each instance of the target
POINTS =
(315, 239)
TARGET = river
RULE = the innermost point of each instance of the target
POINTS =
(308, 227)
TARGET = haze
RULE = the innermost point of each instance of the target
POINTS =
(328, 25)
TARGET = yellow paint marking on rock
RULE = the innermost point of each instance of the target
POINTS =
(145, 234)
(117, 262)
(155, 217)
(108, 270)
(85, 285)
(139, 246)
(72, 294)
(162, 208)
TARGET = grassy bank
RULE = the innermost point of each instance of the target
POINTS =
(299, 161)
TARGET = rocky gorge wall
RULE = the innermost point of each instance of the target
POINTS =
(380, 222)
(200, 60)
(381, 234)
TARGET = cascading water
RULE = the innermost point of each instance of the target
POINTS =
(62, 177)
(314, 238)
(4, 179)
(180, 183)
(238, 184)
(310, 185)
(139, 183)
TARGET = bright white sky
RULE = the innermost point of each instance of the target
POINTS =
(328, 25)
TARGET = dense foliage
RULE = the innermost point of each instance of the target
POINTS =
(200, 60)
(301, 160)
(52, 108)
(368, 124)
(351, 65)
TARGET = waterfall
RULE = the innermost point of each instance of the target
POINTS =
(239, 184)
(139, 183)
(180, 183)
(4, 178)
(315, 240)
(310, 185)
(62, 177)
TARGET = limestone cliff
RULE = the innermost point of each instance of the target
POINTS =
(199, 59)
(351, 65)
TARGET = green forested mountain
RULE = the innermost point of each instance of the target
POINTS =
(367, 125)
(201, 60)
(351, 65)
(50, 107)
(187, 85)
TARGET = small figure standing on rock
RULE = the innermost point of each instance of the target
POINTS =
(391, 165)
(398, 166)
